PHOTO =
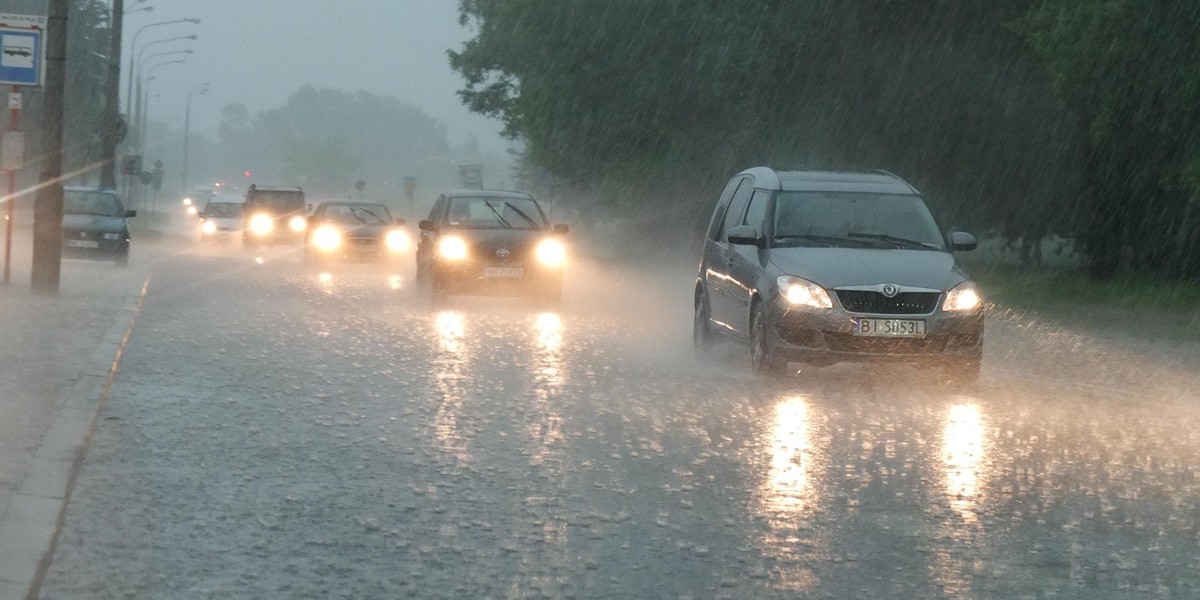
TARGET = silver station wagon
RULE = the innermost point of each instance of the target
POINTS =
(829, 266)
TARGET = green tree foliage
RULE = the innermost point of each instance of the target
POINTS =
(1131, 69)
(957, 97)
(329, 138)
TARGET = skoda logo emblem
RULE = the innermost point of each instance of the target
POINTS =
(502, 253)
(890, 290)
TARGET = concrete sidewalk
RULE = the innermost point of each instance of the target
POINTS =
(56, 357)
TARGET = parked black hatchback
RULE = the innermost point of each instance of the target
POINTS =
(94, 225)
(827, 266)
(490, 241)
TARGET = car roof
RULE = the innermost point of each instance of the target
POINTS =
(874, 182)
(350, 203)
(226, 199)
(274, 188)
(460, 193)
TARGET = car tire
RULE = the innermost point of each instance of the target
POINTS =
(703, 335)
(762, 358)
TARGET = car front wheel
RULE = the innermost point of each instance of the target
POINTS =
(762, 357)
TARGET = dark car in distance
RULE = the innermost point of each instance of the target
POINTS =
(274, 215)
(490, 242)
(354, 231)
(94, 225)
(832, 266)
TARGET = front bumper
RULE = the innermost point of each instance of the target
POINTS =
(103, 250)
(504, 278)
(828, 335)
(357, 250)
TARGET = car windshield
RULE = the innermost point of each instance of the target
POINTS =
(495, 213)
(224, 210)
(278, 201)
(91, 203)
(357, 214)
(854, 219)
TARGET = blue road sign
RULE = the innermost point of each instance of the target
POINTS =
(22, 56)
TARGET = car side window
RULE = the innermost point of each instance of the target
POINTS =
(737, 207)
(756, 213)
(436, 212)
(718, 217)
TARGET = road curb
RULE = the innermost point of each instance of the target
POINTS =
(31, 526)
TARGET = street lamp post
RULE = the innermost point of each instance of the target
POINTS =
(137, 113)
(144, 104)
(112, 114)
(133, 51)
(199, 88)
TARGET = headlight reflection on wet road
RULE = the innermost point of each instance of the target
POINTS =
(962, 451)
(451, 371)
(788, 494)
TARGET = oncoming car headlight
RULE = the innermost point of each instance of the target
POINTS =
(298, 223)
(551, 253)
(261, 224)
(208, 227)
(327, 238)
(396, 240)
(964, 296)
(802, 292)
(191, 210)
(452, 248)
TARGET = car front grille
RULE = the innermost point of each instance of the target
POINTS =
(904, 303)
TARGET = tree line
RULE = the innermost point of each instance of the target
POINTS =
(1018, 118)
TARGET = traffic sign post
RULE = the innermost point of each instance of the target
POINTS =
(12, 159)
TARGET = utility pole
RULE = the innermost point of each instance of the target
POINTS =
(112, 112)
(48, 204)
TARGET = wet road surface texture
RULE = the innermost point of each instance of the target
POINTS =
(279, 431)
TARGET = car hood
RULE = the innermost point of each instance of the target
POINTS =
(841, 267)
(498, 238)
(362, 231)
(93, 223)
(227, 221)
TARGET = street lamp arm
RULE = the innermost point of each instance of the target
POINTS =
(133, 52)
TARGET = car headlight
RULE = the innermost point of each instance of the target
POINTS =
(261, 224)
(298, 224)
(452, 248)
(112, 236)
(191, 210)
(964, 296)
(551, 253)
(396, 240)
(327, 238)
(208, 228)
(187, 201)
(802, 292)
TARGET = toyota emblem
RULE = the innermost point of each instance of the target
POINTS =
(890, 290)
(502, 253)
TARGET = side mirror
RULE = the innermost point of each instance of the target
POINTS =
(561, 229)
(962, 241)
(129, 214)
(426, 225)
(399, 221)
(745, 235)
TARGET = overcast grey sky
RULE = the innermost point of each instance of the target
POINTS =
(259, 52)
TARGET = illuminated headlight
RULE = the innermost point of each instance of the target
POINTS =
(327, 238)
(112, 236)
(191, 210)
(551, 253)
(452, 248)
(261, 224)
(187, 201)
(208, 228)
(298, 224)
(802, 292)
(964, 296)
(396, 240)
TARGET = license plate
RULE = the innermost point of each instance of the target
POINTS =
(890, 327)
(503, 272)
(83, 244)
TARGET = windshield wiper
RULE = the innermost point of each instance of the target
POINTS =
(899, 241)
(354, 210)
(522, 214)
(506, 224)
(812, 237)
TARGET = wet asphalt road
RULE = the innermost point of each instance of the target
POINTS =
(276, 432)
